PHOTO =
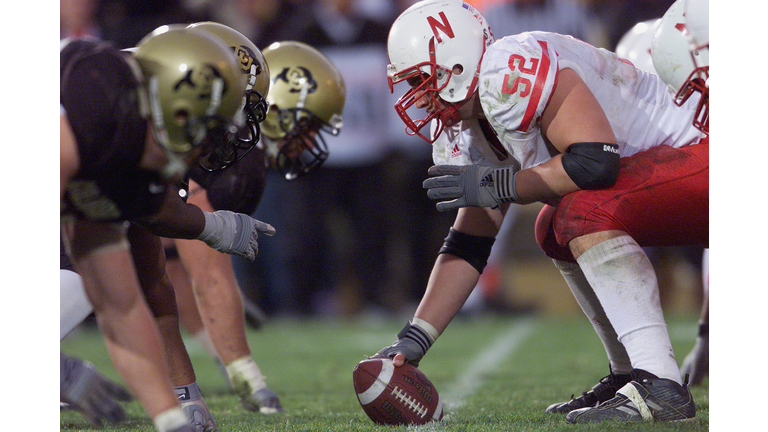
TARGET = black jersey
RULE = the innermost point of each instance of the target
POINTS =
(100, 95)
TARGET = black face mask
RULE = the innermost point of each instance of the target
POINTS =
(306, 138)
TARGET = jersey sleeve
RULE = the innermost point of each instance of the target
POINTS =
(517, 78)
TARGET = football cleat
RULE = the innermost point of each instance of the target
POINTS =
(184, 428)
(604, 390)
(264, 401)
(646, 398)
(199, 415)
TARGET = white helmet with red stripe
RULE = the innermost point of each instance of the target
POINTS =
(684, 69)
(635, 45)
(437, 46)
(697, 22)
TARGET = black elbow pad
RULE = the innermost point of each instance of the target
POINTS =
(592, 165)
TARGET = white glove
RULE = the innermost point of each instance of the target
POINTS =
(234, 233)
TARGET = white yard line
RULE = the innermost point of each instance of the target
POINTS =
(486, 361)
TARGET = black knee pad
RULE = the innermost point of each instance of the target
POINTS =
(471, 248)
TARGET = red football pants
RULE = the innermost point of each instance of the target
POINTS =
(661, 198)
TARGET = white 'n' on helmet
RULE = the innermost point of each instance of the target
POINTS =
(437, 46)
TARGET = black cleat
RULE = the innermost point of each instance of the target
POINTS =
(604, 390)
(646, 398)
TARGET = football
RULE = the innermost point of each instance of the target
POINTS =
(394, 396)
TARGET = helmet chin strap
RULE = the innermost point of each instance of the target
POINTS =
(450, 116)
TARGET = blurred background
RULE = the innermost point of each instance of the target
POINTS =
(357, 238)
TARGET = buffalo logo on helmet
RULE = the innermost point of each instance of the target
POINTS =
(245, 56)
(202, 78)
(297, 79)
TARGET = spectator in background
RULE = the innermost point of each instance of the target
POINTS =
(567, 17)
(77, 18)
(125, 22)
(619, 17)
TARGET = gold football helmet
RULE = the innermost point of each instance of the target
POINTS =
(194, 89)
(255, 73)
(306, 98)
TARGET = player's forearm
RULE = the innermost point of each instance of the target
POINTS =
(177, 219)
(545, 183)
(450, 283)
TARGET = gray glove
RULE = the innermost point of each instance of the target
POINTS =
(234, 233)
(412, 341)
(90, 393)
(478, 185)
(696, 363)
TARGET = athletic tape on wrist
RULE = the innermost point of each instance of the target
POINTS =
(209, 227)
(429, 328)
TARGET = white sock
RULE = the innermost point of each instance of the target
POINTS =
(74, 306)
(244, 371)
(624, 281)
(585, 296)
(170, 419)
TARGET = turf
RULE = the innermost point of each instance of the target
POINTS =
(494, 373)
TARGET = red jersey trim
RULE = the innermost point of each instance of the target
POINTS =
(538, 88)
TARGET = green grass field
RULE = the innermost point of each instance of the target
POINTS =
(493, 374)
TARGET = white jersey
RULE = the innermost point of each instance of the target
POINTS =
(518, 75)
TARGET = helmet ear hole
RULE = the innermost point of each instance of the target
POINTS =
(457, 69)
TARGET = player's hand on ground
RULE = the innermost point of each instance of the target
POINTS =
(91, 393)
(398, 358)
(696, 363)
(411, 345)
(234, 233)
